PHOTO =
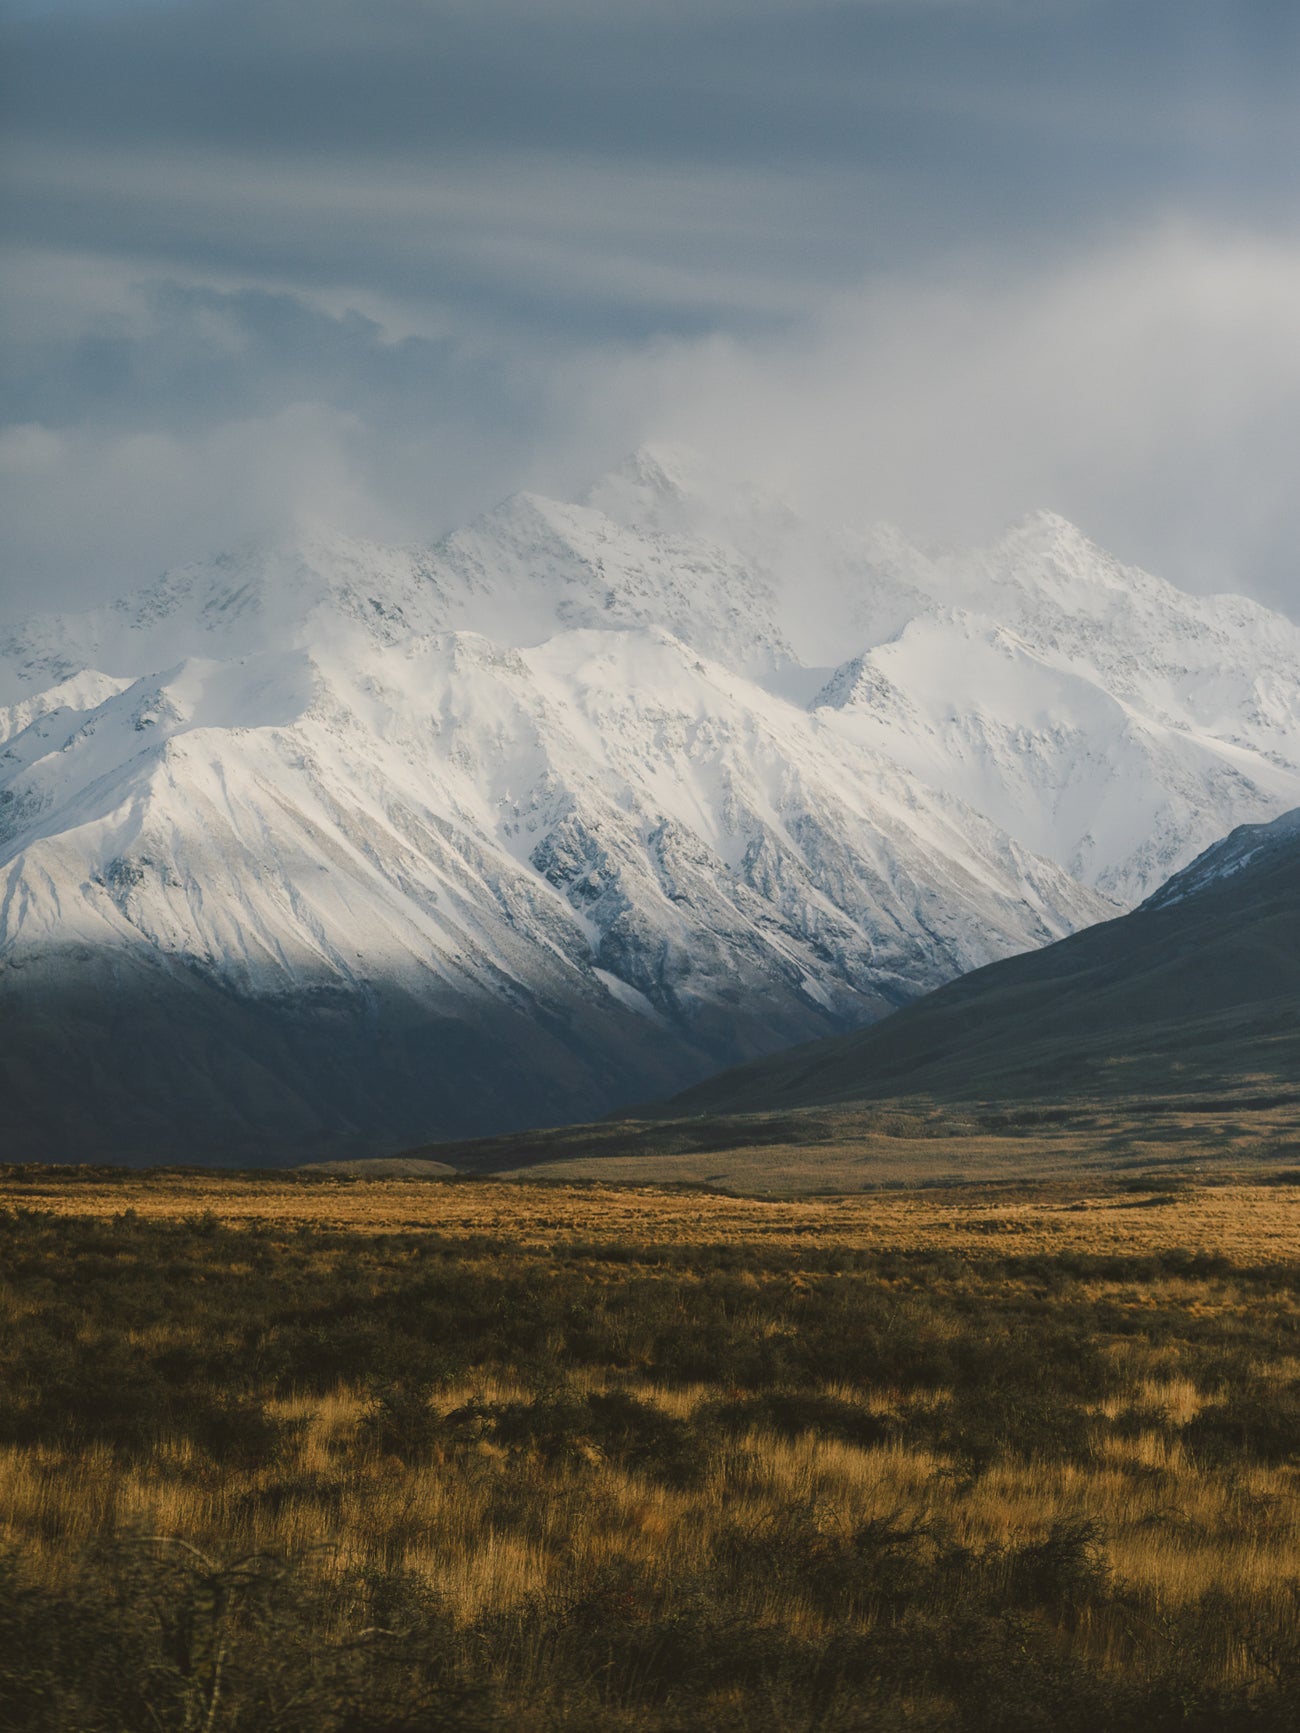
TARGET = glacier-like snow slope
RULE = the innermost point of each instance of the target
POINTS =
(353, 845)
(1101, 716)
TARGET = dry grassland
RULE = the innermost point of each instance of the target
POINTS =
(541, 1456)
(1237, 1216)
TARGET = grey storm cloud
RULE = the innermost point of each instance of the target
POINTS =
(196, 354)
(936, 259)
(652, 131)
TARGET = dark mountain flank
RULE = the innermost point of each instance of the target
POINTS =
(1197, 992)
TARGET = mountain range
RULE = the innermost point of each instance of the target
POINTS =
(325, 848)
(1194, 995)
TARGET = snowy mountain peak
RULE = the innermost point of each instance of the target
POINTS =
(1048, 531)
(673, 490)
(534, 564)
(639, 785)
(656, 486)
(285, 594)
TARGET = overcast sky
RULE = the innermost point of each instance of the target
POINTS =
(379, 262)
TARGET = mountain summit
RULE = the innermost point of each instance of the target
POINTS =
(329, 847)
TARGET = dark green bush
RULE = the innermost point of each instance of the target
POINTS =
(402, 1422)
(154, 1634)
(1260, 1423)
(792, 1412)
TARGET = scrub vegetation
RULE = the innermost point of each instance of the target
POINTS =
(385, 1457)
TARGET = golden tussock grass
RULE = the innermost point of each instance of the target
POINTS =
(587, 1422)
(1237, 1217)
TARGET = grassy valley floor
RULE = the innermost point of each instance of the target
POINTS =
(867, 1146)
(311, 1452)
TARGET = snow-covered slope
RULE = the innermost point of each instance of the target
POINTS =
(1100, 715)
(580, 804)
(1250, 846)
(1189, 999)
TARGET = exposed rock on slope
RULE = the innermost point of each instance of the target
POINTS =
(1195, 993)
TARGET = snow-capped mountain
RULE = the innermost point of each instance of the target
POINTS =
(1098, 714)
(1249, 847)
(1188, 1001)
(352, 845)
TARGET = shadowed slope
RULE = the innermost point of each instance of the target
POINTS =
(1197, 992)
